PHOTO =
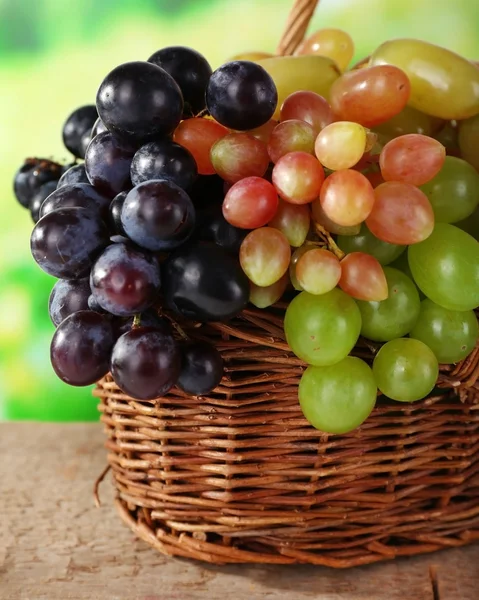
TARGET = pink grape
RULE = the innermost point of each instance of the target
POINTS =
(412, 158)
(265, 255)
(321, 218)
(198, 136)
(347, 197)
(293, 220)
(402, 214)
(340, 145)
(318, 271)
(263, 132)
(309, 107)
(298, 177)
(239, 155)
(250, 203)
(291, 136)
(363, 278)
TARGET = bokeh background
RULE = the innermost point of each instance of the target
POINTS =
(53, 56)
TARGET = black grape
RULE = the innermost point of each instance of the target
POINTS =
(140, 102)
(98, 127)
(148, 318)
(204, 283)
(82, 195)
(201, 368)
(241, 95)
(164, 160)
(78, 123)
(107, 164)
(125, 281)
(32, 175)
(81, 348)
(158, 215)
(68, 297)
(190, 70)
(145, 363)
(114, 220)
(75, 174)
(213, 227)
(66, 242)
(39, 197)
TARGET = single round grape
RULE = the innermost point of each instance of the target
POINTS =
(340, 145)
(362, 277)
(190, 70)
(78, 123)
(39, 198)
(125, 281)
(322, 330)
(75, 174)
(291, 136)
(338, 398)
(114, 214)
(145, 363)
(308, 107)
(446, 267)
(198, 136)
(250, 203)
(211, 226)
(347, 197)
(265, 255)
(298, 177)
(451, 334)
(203, 283)
(201, 368)
(68, 297)
(262, 297)
(241, 95)
(98, 127)
(394, 317)
(318, 271)
(263, 132)
(409, 120)
(81, 348)
(321, 218)
(371, 95)
(93, 305)
(293, 220)
(468, 139)
(239, 155)
(365, 241)
(107, 164)
(140, 102)
(412, 158)
(66, 242)
(30, 177)
(333, 43)
(454, 191)
(401, 214)
(405, 370)
(164, 160)
(80, 195)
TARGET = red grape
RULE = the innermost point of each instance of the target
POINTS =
(363, 278)
(347, 197)
(293, 220)
(198, 136)
(263, 132)
(321, 218)
(250, 203)
(265, 255)
(298, 177)
(309, 107)
(239, 155)
(291, 136)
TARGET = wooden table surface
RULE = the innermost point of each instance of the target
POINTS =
(55, 545)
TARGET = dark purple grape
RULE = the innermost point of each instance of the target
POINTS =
(140, 102)
(93, 304)
(75, 174)
(81, 348)
(80, 195)
(164, 160)
(204, 283)
(145, 363)
(213, 227)
(125, 281)
(32, 175)
(107, 164)
(68, 297)
(86, 138)
(207, 190)
(78, 123)
(190, 70)
(98, 127)
(158, 215)
(39, 197)
(201, 368)
(114, 220)
(241, 95)
(66, 242)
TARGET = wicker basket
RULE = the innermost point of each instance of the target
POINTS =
(241, 476)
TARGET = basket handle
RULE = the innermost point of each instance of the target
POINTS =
(296, 26)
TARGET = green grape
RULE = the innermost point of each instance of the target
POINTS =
(402, 264)
(322, 330)
(394, 317)
(446, 267)
(454, 191)
(338, 398)
(405, 370)
(366, 242)
(451, 334)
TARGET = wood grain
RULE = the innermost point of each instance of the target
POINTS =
(54, 544)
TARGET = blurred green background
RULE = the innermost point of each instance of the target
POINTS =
(53, 56)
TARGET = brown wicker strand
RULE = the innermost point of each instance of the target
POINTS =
(296, 26)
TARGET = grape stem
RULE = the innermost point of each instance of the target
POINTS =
(332, 246)
(136, 321)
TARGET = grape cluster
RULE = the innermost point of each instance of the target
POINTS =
(352, 194)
